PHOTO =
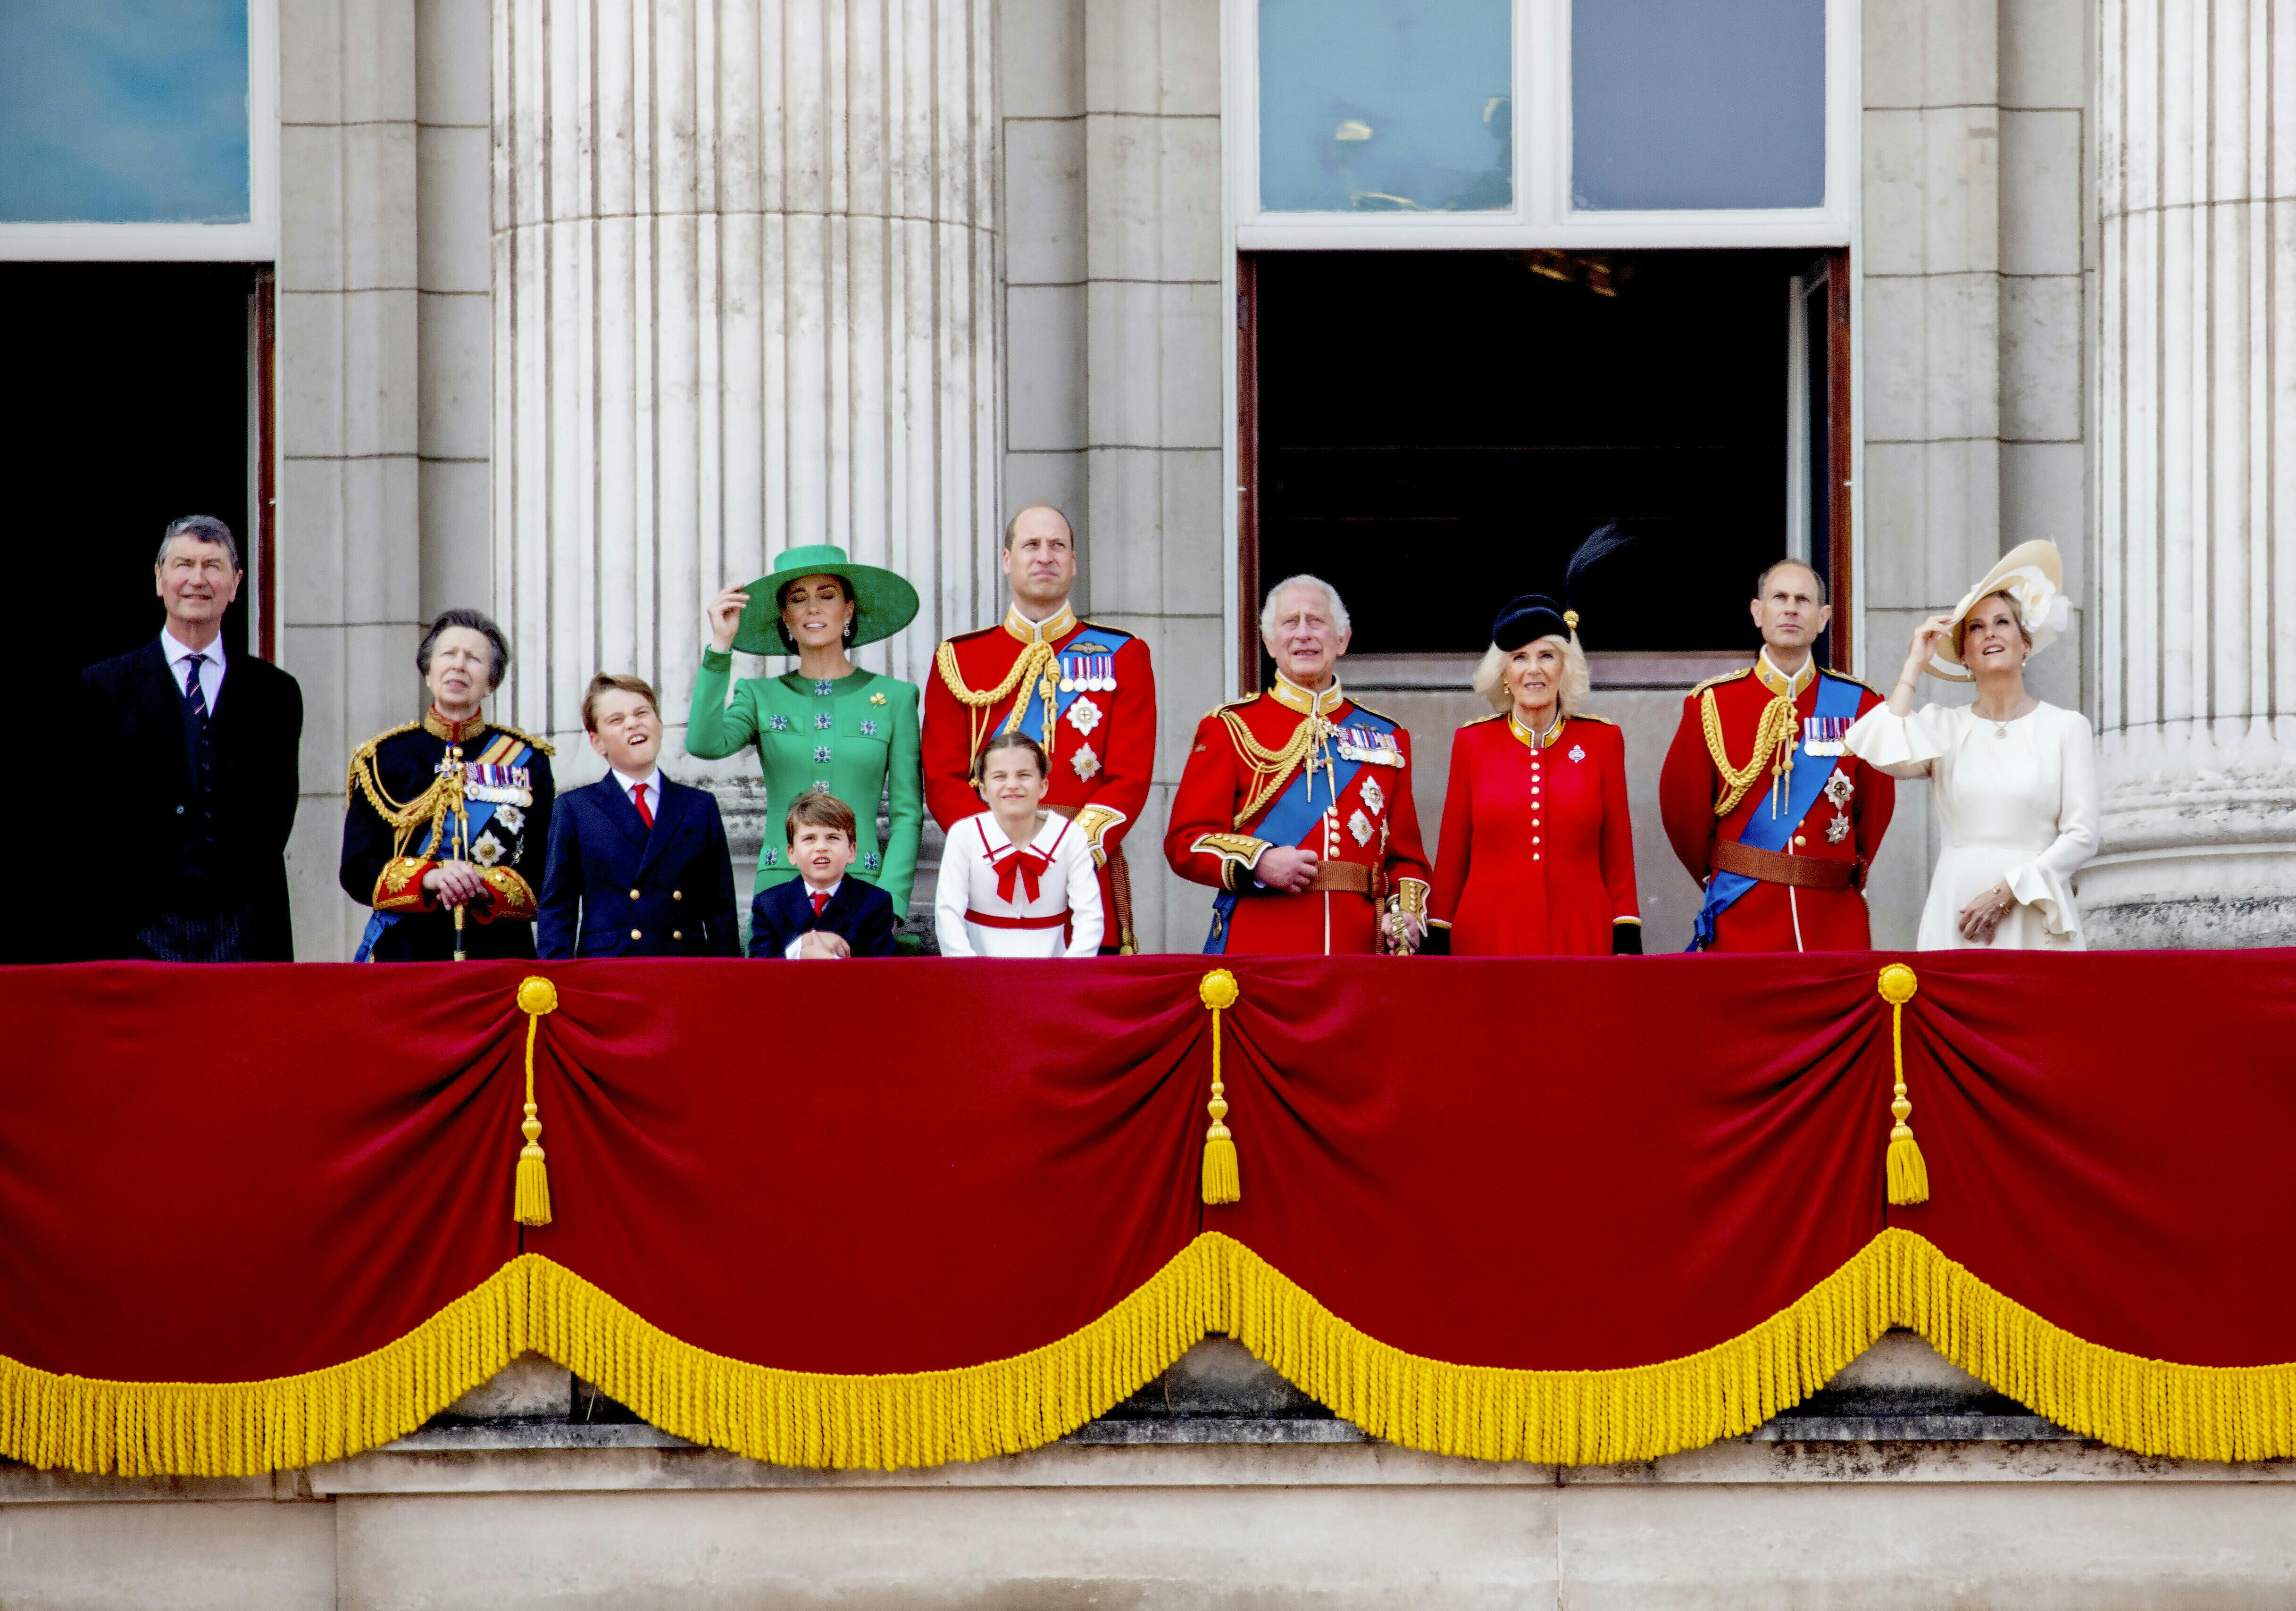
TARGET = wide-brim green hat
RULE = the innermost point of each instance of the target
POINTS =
(882, 603)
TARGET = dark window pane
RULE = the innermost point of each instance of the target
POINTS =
(1697, 104)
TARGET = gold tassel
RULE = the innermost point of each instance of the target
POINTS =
(1909, 1175)
(1223, 1182)
(531, 1203)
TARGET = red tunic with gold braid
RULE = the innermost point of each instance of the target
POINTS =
(1101, 746)
(1773, 916)
(1368, 838)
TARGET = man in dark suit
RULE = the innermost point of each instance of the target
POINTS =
(638, 864)
(195, 779)
(821, 913)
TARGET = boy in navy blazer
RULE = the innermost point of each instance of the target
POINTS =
(821, 913)
(638, 864)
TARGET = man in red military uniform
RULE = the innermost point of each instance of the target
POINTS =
(1295, 804)
(1760, 799)
(1085, 692)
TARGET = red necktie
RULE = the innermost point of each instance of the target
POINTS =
(1027, 865)
(820, 901)
(637, 798)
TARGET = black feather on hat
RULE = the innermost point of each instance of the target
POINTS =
(1534, 615)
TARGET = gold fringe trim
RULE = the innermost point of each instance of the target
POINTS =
(1215, 1283)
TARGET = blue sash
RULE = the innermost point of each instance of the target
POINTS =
(1073, 669)
(477, 813)
(1294, 813)
(1837, 705)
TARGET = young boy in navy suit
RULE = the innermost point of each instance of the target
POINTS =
(638, 864)
(821, 913)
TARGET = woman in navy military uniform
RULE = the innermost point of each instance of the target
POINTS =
(449, 815)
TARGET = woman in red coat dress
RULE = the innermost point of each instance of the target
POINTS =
(1538, 857)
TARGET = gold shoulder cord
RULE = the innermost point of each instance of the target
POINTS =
(1781, 719)
(1033, 661)
(430, 808)
(1271, 769)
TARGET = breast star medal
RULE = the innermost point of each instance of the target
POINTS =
(1373, 796)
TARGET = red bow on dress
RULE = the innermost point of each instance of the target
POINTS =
(1027, 865)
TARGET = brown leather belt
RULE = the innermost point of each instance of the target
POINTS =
(1348, 878)
(1775, 866)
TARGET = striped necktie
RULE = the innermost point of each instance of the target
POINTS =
(194, 695)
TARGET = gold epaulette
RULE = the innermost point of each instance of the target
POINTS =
(365, 752)
(1383, 715)
(1716, 682)
(542, 745)
(1233, 704)
(1479, 720)
(1589, 716)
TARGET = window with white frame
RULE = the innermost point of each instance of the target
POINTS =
(138, 129)
(1617, 122)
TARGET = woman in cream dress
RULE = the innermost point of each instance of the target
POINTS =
(2013, 779)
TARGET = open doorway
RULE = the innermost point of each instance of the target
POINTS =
(136, 402)
(136, 398)
(1459, 421)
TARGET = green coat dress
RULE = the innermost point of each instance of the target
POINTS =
(844, 736)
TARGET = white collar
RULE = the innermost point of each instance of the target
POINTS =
(810, 892)
(994, 838)
(177, 651)
(653, 780)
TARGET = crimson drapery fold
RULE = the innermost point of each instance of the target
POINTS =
(896, 1213)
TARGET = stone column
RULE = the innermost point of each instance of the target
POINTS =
(744, 278)
(2195, 506)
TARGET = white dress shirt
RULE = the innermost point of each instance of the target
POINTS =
(650, 783)
(211, 673)
(790, 950)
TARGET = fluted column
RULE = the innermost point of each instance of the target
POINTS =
(2195, 506)
(744, 275)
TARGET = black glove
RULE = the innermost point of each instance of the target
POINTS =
(1436, 942)
(1626, 940)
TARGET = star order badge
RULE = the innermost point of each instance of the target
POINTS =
(1838, 829)
(1839, 789)
(1084, 761)
(1084, 715)
(1359, 826)
(1373, 795)
(1578, 751)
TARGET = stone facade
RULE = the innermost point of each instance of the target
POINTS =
(2196, 439)
(584, 314)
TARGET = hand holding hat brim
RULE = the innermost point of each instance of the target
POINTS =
(883, 602)
(2031, 573)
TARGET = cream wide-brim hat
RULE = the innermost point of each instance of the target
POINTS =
(2034, 576)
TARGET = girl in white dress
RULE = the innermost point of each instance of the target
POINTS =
(2013, 779)
(1016, 880)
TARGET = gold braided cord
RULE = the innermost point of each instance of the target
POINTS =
(1032, 662)
(1007, 1406)
(1271, 769)
(1781, 721)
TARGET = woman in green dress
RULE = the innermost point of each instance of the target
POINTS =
(828, 725)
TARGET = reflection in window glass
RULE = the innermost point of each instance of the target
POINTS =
(1698, 103)
(1386, 105)
(123, 111)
